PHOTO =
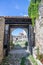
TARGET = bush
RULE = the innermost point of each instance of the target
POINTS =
(5, 61)
(23, 61)
(26, 43)
(32, 60)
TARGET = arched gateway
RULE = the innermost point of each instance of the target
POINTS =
(6, 23)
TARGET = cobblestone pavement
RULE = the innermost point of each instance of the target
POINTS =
(15, 57)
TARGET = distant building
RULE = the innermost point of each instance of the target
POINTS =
(20, 37)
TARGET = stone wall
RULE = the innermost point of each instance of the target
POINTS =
(39, 34)
(39, 29)
(31, 38)
(2, 24)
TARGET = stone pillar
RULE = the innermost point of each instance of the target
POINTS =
(11, 37)
(2, 24)
(7, 39)
(31, 30)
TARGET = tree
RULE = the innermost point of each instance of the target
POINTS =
(33, 10)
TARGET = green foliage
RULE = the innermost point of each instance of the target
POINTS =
(23, 61)
(40, 56)
(6, 60)
(34, 1)
(26, 43)
(33, 10)
(11, 45)
(38, 51)
(31, 58)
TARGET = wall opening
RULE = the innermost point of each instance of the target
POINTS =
(19, 38)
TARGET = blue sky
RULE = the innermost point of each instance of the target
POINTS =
(14, 7)
(17, 31)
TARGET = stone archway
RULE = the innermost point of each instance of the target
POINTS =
(19, 37)
(8, 22)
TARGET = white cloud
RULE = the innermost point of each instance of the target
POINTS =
(25, 15)
(21, 14)
(17, 6)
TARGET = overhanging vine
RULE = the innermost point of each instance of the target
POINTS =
(33, 10)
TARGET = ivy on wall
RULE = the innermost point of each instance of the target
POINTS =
(33, 10)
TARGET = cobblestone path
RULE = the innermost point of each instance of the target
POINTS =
(16, 56)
